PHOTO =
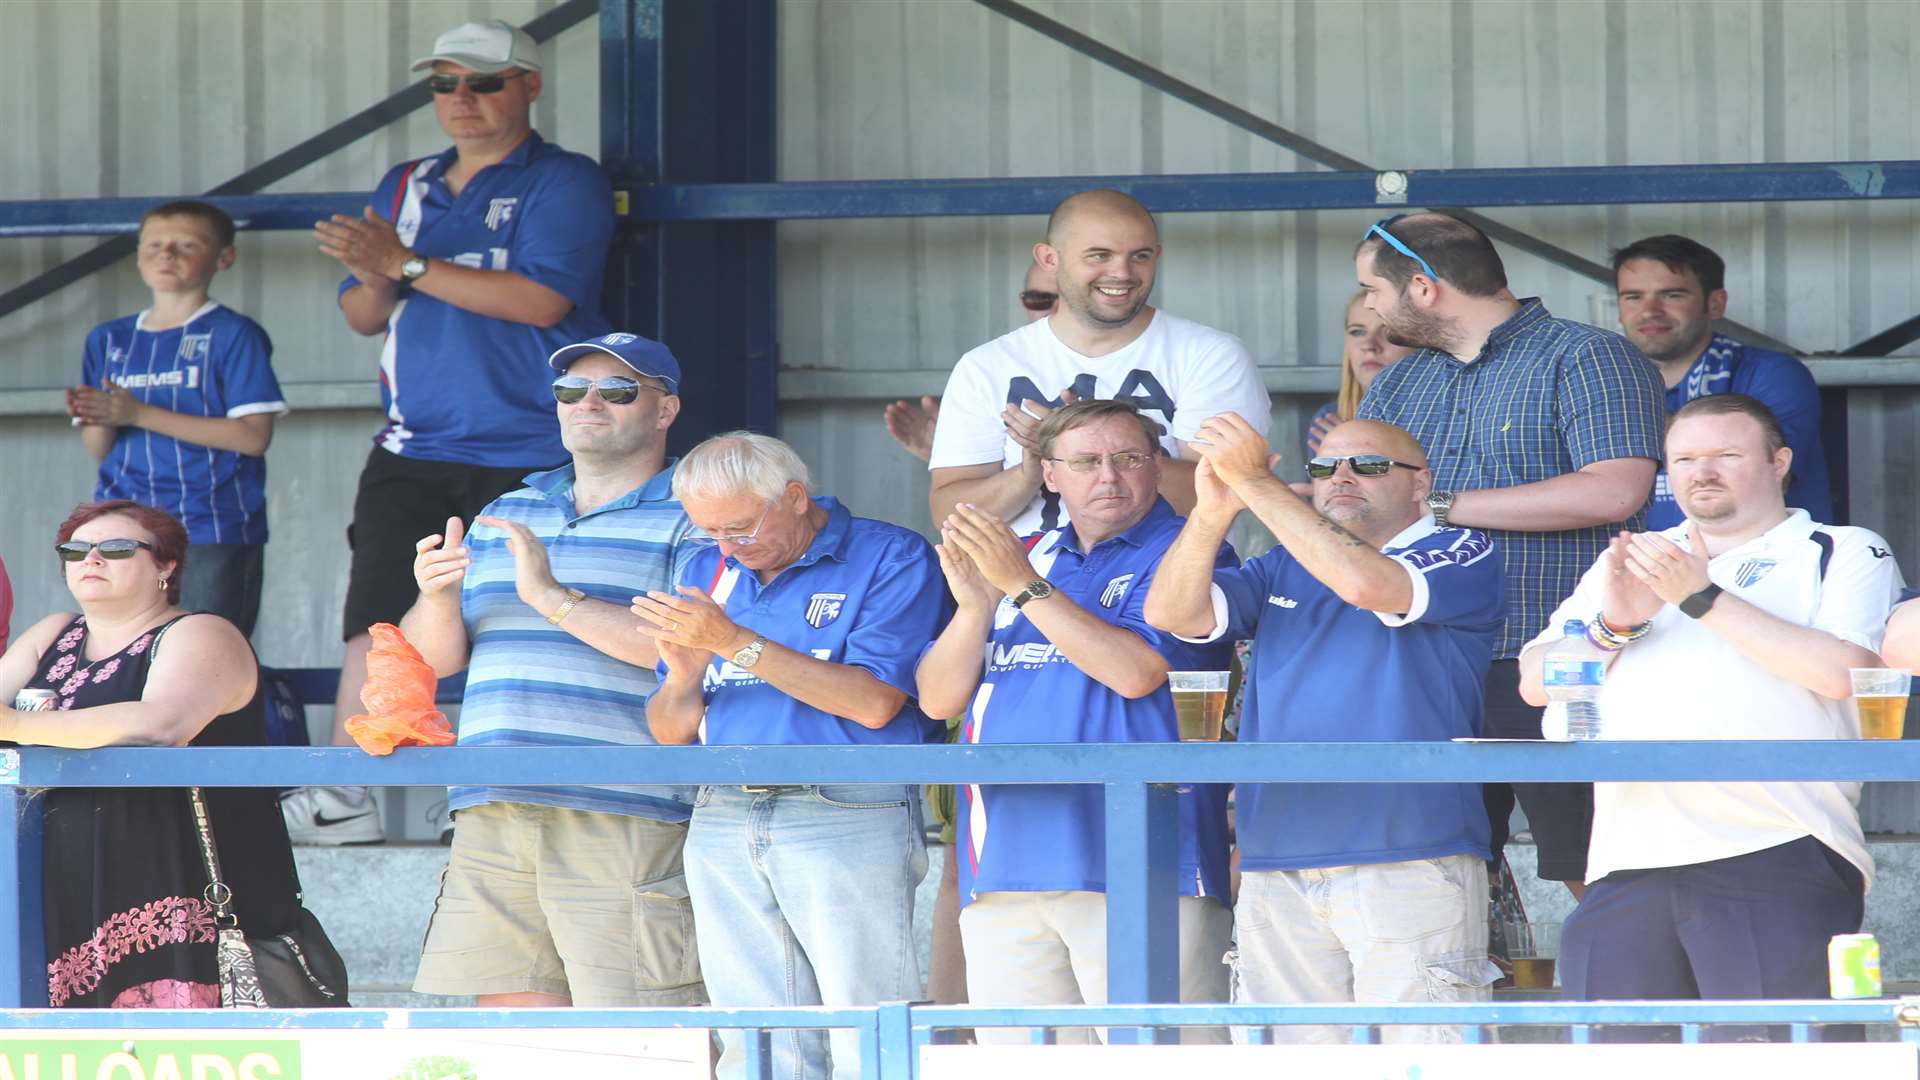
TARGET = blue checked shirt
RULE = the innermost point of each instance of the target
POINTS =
(1544, 397)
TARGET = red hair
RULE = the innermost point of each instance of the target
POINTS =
(169, 536)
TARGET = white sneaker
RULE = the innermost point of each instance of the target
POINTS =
(332, 816)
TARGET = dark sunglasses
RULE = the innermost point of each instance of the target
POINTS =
(1038, 300)
(479, 84)
(1379, 229)
(1362, 465)
(613, 389)
(77, 550)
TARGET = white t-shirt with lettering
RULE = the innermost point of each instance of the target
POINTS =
(1177, 372)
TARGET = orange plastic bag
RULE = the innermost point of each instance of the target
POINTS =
(399, 696)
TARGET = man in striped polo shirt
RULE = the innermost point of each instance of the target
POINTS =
(570, 894)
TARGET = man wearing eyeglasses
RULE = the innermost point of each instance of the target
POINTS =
(1104, 341)
(797, 625)
(472, 264)
(1545, 433)
(569, 894)
(1370, 622)
(1049, 645)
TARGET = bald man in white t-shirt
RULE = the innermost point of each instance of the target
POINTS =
(1103, 341)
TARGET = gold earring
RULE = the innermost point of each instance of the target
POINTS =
(163, 584)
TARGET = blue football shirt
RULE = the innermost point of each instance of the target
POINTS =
(866, 593)
(1783, 384)
(1049, 837)
(217, 363)
(1326, 671)
(467, 388)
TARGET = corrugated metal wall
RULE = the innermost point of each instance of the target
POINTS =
(169, 96)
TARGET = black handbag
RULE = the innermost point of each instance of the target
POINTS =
(299, 969)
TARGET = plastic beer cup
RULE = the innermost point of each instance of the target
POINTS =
(1200, 703)
(1880, 700)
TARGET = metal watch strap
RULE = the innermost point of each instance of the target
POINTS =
(1440, 503)
(749, 653)
(574, 596)
(1697, 605)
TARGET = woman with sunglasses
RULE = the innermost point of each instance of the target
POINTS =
(127, 922)
(1367, 353)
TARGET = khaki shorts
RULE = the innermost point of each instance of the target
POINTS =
(548, 900)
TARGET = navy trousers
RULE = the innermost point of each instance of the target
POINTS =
(1751, 926)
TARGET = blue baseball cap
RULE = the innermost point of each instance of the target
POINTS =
(643, 355)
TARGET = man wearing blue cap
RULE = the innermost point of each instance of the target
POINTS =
(566, 894)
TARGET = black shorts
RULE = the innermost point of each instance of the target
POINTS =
(1560, 815)
(400, 500)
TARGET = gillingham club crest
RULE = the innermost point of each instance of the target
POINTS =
(824, 607)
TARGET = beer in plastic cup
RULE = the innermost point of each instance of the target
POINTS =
(1880, 700)
(1200, 702)
(1534, 949)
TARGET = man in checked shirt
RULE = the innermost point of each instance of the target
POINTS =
(1543, 432)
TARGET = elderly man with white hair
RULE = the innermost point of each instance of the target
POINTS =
(798, 625)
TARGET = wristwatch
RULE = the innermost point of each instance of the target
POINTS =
(749, 655)
(413, 268)
(574, 596)
(1441, 504)
(1701, 602)
(1037, 589)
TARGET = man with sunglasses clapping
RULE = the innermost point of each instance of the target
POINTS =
(472, 264)
(567, 894)
(1370, 622)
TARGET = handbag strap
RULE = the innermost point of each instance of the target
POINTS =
(217, 893)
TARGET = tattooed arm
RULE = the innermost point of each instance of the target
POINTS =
(1353, 568)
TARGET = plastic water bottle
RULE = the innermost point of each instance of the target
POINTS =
(1573, 670)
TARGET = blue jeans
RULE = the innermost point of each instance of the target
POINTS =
(224, 579)
(804, 896)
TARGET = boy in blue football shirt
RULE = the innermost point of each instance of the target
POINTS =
(177, 404)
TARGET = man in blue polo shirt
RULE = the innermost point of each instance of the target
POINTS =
(570, 894)
(1049, 645)
(473, 264)
(1672, 289)
(798, 625)
(1369, 623)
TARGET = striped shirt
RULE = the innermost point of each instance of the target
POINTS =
(530, 683)
(1543, 398)
(217, 363)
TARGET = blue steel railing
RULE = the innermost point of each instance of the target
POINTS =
(1141, 855)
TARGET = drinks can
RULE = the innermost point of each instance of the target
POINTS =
(1853, 965)
(35, 700)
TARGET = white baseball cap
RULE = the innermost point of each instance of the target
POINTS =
(488, 47)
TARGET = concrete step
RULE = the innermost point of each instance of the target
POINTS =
(375, 902)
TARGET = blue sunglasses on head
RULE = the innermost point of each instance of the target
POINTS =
(1379, 228)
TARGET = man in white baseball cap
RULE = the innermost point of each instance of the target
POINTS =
(489, 47)
(472, 266)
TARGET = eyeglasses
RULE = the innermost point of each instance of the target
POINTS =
(1124, 461)
(479, 84)
(1038, 299)
(1379, 229)
(78, 550)
(1362, 465)
(613, 389)
(701, 536)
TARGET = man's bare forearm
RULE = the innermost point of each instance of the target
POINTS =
(1354, 569)
(1002, 493)
(497, 294)
(1805, 656)
(434, 627)
(1181, 598)
(1603, 493)
(949, 673)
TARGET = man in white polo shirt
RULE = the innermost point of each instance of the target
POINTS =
(1739, 623)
